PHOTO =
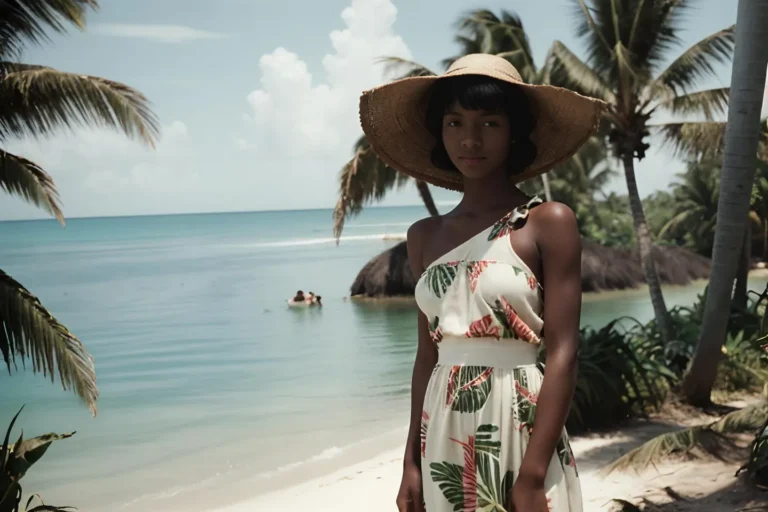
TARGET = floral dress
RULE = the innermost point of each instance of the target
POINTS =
(484, 307)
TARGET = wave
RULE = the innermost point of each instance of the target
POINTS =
(329, 240)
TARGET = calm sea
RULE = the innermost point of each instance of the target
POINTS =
(212, 389)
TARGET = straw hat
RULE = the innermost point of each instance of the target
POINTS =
(393, 117)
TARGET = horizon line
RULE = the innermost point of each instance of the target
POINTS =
(174, 214)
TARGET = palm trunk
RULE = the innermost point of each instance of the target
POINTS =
(742, 274)
(547, 190)
(426, 196)
(739, 163)
(646, 259)
(765, 241)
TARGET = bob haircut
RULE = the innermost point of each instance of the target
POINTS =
(475, 92)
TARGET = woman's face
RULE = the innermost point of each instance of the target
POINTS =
(477, 141)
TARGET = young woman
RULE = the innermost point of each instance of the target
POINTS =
(487, 428)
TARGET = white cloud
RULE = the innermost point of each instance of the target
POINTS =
(308, 124)
(102, 172)
(173, 34)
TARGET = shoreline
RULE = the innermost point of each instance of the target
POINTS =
(707, 484)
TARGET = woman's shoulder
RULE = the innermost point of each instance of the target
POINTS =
(555, 226)
(549, 214)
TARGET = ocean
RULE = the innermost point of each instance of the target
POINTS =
(212, 389)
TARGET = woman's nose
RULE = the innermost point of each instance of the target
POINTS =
(470, 141)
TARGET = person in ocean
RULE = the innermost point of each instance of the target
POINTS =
(299, 297)
(498, 278)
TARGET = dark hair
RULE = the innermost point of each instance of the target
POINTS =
(475, 92)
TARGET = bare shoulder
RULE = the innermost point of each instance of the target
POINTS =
(417, 237)
(553, 217)
(555, 225)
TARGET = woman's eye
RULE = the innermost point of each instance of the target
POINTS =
(452, 123)
(491, 123)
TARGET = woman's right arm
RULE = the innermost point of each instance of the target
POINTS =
(426, 353)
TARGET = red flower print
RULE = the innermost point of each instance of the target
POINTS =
(483, 328)
(475, 268)
(516, 325)
(532, 282)
(434, 331)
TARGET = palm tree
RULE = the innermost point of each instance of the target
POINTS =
(741, 145)
(626, 46)
(364, 178)
(36, 101)
(695, 209)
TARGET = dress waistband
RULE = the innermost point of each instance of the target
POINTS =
(504, 353)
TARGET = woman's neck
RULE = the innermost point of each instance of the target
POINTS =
(490, 193)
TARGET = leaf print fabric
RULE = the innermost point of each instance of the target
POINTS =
(468, 388)
(480, 405)
(440, 277)
(480, 483)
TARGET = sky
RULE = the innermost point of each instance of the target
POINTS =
(258, 99)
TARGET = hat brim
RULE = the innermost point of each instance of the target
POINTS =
(393, 118)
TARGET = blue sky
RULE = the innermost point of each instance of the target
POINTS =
(258, 99)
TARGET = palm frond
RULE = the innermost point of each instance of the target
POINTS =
(397, 67)
(29, 331)
(36, 100)
(693, 139)
(364, 179)
(579, 75)
(710, 103)
(26, 21)
(26, 179)
(694, 64)
(710, 438)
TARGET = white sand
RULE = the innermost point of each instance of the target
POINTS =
(373, 485)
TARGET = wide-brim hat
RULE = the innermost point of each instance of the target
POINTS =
(393, 118)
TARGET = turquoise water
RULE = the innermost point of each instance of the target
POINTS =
(212, 390)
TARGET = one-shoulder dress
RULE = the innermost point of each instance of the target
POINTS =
(485, 313)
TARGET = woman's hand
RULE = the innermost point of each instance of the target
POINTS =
(528, 495)
(410, 497)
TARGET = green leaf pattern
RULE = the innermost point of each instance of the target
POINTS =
(480, 484)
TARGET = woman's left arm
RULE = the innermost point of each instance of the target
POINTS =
(559, 242)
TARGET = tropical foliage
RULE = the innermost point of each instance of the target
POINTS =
(626, 369)
(37, 101)
(15, 461)
(627, 46)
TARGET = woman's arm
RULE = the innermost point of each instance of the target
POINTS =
(559, 243)
(426, 353)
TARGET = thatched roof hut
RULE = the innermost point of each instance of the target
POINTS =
(602, 268)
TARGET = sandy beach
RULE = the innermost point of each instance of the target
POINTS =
(703, 485)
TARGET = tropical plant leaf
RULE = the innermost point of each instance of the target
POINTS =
(36, 100)
(709, 103)
(449, 478)
(440, 277)
(693, 139)
(399, 68)
(26, 452)
(26, 21)
(468, 388)
(31, 332)
(579, 75)
(5, 449)
(695, 63)
(11, 498)
(709, 437)
(362, 180)
(26, 179)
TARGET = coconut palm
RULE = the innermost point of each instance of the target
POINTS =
(36, 101)
(742, 138)
(627, 44)
(365, 178)
(695, 209)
